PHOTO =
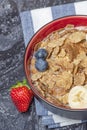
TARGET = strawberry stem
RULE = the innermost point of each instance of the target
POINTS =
(25, 81)
(19, 84)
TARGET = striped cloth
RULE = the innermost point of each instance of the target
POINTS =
(31, 22)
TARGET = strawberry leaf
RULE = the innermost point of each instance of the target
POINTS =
(20, 84)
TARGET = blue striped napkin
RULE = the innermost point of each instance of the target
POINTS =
(33, 20)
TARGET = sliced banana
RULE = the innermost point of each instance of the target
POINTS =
(78, 97)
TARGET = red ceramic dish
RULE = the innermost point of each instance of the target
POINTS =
(40, 35)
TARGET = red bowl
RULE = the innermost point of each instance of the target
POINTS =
(40, 35)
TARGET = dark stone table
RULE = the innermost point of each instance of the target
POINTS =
(12, 51)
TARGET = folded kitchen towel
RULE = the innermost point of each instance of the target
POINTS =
(52, 120)
(32, 21)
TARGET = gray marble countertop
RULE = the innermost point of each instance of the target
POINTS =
(12, 51)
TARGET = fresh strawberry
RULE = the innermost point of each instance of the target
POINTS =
(21, 96)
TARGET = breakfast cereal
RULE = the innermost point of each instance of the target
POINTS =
(67, 64)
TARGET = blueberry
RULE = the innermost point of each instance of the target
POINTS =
(41, 65)
(41, 53)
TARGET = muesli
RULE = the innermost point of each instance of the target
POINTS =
(58, 67)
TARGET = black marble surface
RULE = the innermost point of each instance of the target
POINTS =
(12, 51)
(11, 68)
(33, 4)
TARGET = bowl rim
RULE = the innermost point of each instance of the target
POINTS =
(25, 65)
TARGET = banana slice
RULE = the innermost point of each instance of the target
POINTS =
(78, 97)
